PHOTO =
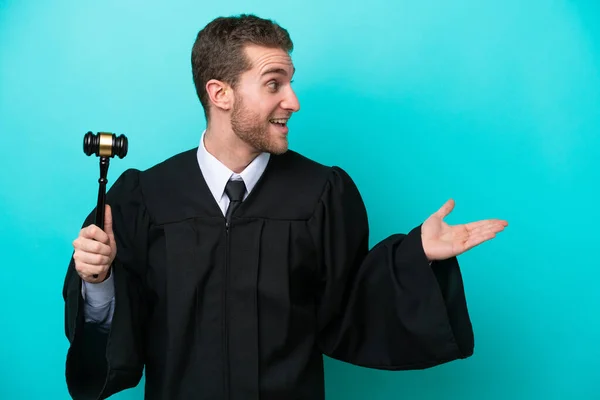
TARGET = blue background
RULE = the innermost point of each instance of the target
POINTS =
(495, 104)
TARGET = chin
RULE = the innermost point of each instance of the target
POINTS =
(279, 146)
(266, 143)
(277, 150)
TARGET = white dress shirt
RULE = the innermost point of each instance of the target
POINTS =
(99, 298)
(216, 174)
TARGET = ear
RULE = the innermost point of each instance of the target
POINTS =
(220, 94)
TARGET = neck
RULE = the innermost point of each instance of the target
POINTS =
(228, 148)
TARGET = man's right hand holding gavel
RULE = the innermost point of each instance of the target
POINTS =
(95, 250)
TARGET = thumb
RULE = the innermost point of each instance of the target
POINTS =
(445, 209)
(108, 223)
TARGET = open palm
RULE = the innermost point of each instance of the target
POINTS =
(442, 241)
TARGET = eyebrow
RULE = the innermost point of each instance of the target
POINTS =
(276, 70)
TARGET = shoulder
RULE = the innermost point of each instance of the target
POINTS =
(171, 166)
(310, 182)
(165, 169)
(170, 173)
(140, 184)
(305, 168)
(296, 161)
(299, 174)
(314, 172)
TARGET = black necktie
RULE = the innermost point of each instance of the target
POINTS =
(235, 190)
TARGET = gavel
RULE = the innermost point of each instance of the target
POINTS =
(105, 145)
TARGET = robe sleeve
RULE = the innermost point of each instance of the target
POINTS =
(101, 363)
(383, 308)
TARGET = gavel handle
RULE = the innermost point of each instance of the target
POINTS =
(99, 218)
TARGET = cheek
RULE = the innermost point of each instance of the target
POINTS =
(271, 106)
(264, 110)
(261, 106)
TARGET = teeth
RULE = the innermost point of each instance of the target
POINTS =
(278, 121)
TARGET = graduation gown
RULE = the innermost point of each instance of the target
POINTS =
(246, 310)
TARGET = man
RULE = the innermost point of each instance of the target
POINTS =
(227, 271)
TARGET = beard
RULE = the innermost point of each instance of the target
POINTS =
(254, 130)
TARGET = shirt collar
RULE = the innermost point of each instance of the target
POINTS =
(216, 174)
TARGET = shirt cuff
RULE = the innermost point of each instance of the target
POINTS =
(99, 294)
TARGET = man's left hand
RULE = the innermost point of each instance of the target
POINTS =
(442, 241)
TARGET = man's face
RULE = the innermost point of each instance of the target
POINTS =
(265, 100)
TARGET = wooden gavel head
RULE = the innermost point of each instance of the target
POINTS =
(105, 144)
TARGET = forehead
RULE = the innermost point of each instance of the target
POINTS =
(264, 59)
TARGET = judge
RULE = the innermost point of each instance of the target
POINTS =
(229, 270)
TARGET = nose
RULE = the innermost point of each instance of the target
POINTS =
(290, 101)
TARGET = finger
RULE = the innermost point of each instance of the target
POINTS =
(95, 233)
(479, 239)
(460, 247)
(94, 278)
(472, 225)
(445, 209)
(88, 270)
(484, 228)
(91, 258)
(482, 236)
(108, 223)
(469, 239)
(499, 222)
(91, 246)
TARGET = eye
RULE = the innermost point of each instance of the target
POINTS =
(273, 85)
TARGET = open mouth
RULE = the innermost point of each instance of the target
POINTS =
(279, 121)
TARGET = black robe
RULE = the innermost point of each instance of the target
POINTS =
(247, 312)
